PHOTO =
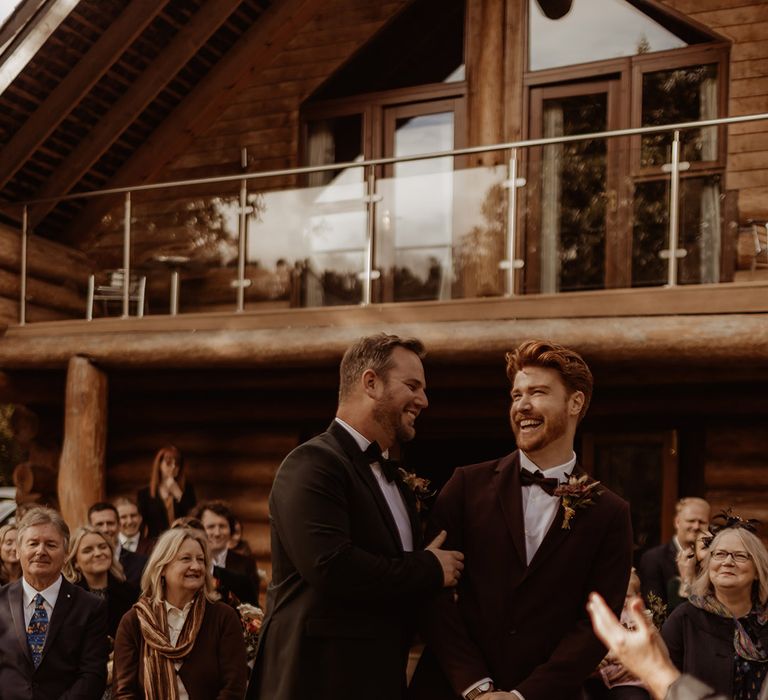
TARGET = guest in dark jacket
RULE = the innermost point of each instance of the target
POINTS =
(169, 494)
(10, 566)
(177, 637)
(91, 565)
(720, 635)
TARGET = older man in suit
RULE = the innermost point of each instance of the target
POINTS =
(348, 569)
(534, 549)
(52, 633)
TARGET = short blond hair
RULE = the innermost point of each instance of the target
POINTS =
(691, 501)
(165, 551)
(754, 546)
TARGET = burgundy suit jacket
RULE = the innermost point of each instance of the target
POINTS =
(524, 626)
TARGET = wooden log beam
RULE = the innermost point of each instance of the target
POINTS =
(255, 49)
(67, 94)
(46, 259)
(718, 341)
(174, 57)
(82, 469)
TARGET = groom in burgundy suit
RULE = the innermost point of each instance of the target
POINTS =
(517, 627)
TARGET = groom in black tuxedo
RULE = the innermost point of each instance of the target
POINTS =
(348, 568)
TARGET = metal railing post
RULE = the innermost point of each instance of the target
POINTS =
(127, 256)
(370, 200)
(242, 234)
(674, 209)
(511, 263)
(23, 293)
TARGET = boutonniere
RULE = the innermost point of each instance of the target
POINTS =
(576, 493)
(418, 485)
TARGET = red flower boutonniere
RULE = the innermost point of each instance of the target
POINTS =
(419, 486)
(577, 493)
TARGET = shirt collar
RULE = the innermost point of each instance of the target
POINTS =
(50, 594)
(169, 607)
(558, 472)
(359, 438)
(220, 559)
(124, 539)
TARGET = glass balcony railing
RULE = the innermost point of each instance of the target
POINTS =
(569, 213)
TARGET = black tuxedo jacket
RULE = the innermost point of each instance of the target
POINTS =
(133, 565)
(74, 663)
(523, 625)
(658, 566)
(237, 577)
(341, 605)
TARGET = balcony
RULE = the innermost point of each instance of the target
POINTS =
(636, 222)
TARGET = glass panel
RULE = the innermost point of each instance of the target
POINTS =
(307, 246)
(674, 96)
(699, 231)
(616, 28)
(573, 196)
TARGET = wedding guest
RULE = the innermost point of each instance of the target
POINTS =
(235, 574)
(10, 567)
(104, 517)
(237, 543)
(720, 635)
(169, 495)
(53, 634)
(349, 571)
(658, 566)
(539, 536)
(132, 536)
(688, 567)
(178, 641)
(91, 565)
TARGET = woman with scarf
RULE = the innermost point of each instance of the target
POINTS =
(178, 642)
(720, 636)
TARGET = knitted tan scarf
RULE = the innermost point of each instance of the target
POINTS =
(159, 654)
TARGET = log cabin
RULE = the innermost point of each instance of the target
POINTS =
(203, 202)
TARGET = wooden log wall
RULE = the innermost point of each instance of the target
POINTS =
(57, 277)
(745, 23)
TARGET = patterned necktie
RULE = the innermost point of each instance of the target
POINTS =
(38, 628)
(538, 479)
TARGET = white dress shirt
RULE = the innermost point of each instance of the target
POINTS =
(130, 544)
(176, 619)
(50, 596)
(389, 490)
(219, 559)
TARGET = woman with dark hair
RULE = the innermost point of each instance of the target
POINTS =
(91, 565)
(10, 568)
(178, 641)
(720, 635)
(169, 494)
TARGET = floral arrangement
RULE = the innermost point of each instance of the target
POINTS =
(657, 610)
(576, 494)
(251, 618)
(419, 485)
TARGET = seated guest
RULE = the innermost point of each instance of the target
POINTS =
(10, 568)
(132, 536)
(237, 543)
(720, 635)
(658, 566)
(234, 573)
(91, 565)
(169, 494)
(104, 517)
(177, 641)
(53, 634)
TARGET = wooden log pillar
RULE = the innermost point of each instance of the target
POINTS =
(82, 474)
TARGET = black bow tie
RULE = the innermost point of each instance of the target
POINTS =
(388, 466)
(530, 478)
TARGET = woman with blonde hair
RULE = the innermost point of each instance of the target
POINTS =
(91, 564)
(10, 567)
(720, 635)
(169, 494)
(178, 642)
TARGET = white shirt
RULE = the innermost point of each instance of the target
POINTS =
(176, 619)
(130, 544)
(50, 596)
(389, 490)
(219, 559)
(539, 508)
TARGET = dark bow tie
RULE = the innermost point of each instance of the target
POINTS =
(537, 478)
(388, 466)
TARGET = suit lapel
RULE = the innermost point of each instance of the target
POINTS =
(363, 468)
(507, 487)
(16, 602)
(59, 614)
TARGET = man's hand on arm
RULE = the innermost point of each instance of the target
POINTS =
(451, 562)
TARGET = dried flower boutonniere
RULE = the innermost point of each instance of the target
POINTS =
(575, 494)
(418, 485)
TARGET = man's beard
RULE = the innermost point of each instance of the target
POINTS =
(552, 429)
(390, 418)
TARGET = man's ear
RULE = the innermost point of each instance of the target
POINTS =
(369, 381)
(575, 403)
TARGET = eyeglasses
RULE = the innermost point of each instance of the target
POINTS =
(720, 555)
